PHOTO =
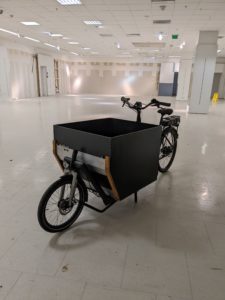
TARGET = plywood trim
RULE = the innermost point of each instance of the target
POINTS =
(56, 155)
(110, 179)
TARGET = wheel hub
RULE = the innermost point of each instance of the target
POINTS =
(166, 150)
(64, 206)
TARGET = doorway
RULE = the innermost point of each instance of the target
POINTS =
(44, 81)
(175, 84)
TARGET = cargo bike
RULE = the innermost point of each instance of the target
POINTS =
(109, 157)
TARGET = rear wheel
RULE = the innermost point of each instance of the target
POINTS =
(168, 149)
(56, 215)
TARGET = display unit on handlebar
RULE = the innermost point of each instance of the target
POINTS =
(169, 123)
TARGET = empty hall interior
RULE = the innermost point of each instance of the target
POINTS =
(112, 149)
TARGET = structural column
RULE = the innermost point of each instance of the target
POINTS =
(222, 85)
(184, 79)
(203, 73)
(4, 74)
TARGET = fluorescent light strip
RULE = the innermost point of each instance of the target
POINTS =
(86, 48)
(73, 43)
(50, 45)
(30, 23)
(56, 35)
(69, 2)
(31, 39)
(74, 53)
(10, 32)
(92, 22)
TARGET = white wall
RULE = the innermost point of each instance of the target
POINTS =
(131, 79)
(23, 75)
(167, 73)
(47, 61)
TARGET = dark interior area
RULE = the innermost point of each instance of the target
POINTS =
(108, 127)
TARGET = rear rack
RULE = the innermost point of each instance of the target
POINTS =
(171, 121)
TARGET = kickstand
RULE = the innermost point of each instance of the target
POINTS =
(135, 197)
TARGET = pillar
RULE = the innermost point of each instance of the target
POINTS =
(184, 79)
(4, 74)
(222, 85)
(203, 73)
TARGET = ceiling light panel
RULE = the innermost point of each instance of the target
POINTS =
(73, 43)
(30, 23)
(93, 22)
(56, 35)
(69, 2)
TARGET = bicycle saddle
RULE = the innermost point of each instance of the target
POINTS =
(165, 111)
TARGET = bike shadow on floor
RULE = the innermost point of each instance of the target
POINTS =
(146, 222)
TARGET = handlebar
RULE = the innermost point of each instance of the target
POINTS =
(140, 106)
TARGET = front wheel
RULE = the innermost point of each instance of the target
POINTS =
(168, 149)
(55, 214)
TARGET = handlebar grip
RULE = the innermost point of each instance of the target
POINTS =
(158, 103)
(125, 99)
(165, 103)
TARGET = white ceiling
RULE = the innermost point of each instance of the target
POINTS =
(119, 17)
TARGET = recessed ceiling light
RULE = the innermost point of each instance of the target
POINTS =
(92, 22)
(69, 2)
(10, 32)
(48, 33)
(86, 48)
(218, 51)
(118, 45)
(182, 45)
(100, 26)
(160, 36)
(74, 53)
(30, 23)
(56, 35)
(66, 38)
(31, 39)
(73, 43)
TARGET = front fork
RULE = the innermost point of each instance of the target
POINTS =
(73, 187)
(72, 190)
(69, 171)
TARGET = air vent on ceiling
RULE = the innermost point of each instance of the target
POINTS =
(149, 45)
(106, 35)
(133, 34)
(161, 21)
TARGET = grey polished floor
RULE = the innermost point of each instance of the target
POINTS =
(171, 245)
